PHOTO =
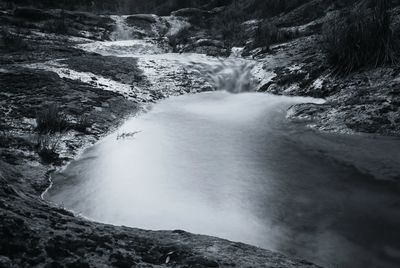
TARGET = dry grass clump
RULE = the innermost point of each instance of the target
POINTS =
(82, 125)
(51, 120)
(46, 147)
(360, 38)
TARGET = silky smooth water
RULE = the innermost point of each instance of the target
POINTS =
(231, 165)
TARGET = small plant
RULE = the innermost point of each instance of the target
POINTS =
(127, 135)
(360, 38)
(46, 147)
(4, 138)
(82, 125)
(51, 120)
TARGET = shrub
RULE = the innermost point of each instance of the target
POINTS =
(265, 34)
(82, 125)
(360, 38)
(4, 138)
(46, 147)
(228, 27)
(51, 120)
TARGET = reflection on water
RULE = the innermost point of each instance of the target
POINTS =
(231, 166)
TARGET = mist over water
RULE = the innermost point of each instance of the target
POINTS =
(122, 31)
(186, 164)
(229, 164)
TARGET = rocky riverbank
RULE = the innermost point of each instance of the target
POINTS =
(42, 66)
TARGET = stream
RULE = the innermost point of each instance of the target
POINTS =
(229, 164)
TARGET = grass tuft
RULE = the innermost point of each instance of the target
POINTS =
(51, 120)
(360, 38)
(82, 125)
(46, 147)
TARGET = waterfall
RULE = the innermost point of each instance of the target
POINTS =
(122, 31)
(230, 75)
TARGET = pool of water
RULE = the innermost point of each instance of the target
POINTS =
(232, 166)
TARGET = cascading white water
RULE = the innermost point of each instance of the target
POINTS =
(231, 75)
(121, 29)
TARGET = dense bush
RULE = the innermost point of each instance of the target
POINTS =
(267, 34)
(359, 38)
(228, 27)
(51, 120)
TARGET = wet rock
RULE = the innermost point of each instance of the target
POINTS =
(191, 12)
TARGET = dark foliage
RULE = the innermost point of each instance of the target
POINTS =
(82, 125)
(51, 120)
(228, 27)
(4, 138)
(267, 34)
(46, 147)
(262, 8)
(361, 37)
(161, 7)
